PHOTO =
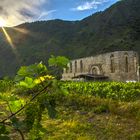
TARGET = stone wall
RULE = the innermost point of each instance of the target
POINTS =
(118, 66)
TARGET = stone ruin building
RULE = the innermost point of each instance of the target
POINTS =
(113, 66)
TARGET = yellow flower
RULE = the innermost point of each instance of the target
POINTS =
(43, 78)
(37, 81)
(49, 77)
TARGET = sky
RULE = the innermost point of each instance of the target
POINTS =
(14, 12)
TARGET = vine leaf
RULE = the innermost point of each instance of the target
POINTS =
(31, 71)
(15, 105)
(27, 83)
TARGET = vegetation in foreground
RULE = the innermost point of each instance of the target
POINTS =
(113, 90)
(92, 118)
(36, 106)
(83, 117)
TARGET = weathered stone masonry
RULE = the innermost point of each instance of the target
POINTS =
(117, 66)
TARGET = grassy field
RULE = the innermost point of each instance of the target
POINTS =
(86, 113)
(89, 118)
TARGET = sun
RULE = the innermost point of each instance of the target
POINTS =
(2, 22)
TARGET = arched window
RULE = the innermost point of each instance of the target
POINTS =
(94, 71)
(126, 62)
(112, 64)
(135, 62)
(70, 67)
(66, 70)
(81, 66)
(75, 66)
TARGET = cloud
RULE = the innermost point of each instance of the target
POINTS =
(15, 12)
(89, 5)
(45, 14)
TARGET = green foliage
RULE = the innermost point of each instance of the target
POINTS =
(15, 105)
(27, 83)
(6, 85)
(42, 88)
(114, 90)
(30, 76)
(101, 109)
(59, 61)
(3, 133)
(57, 64)
(32, 71)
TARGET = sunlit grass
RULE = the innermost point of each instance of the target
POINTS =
(83, 118)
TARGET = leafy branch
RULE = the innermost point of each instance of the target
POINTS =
(34, 97)
(35, 79)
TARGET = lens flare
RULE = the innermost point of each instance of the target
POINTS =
(24, 31)
(21, 30)
(8, 38)
(2, 22)
(11, 43)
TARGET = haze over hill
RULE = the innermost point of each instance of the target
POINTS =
(117, 28)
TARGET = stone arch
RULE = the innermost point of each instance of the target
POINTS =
(75, 65)
(81, 66)
(66, 70)
(135, 62)
(126, 62)
(95, 70)
(112, 64)
(70, 67)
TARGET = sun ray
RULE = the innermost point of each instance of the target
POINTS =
(11, 43)
(21, 30)
(2, 23)
(24, 31)
(8, 38)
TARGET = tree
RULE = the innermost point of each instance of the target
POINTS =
(57, 64)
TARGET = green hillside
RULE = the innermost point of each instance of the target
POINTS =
(116, 28)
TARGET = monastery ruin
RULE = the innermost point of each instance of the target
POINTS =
(113, 66)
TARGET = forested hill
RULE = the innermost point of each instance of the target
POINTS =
(116, 28)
